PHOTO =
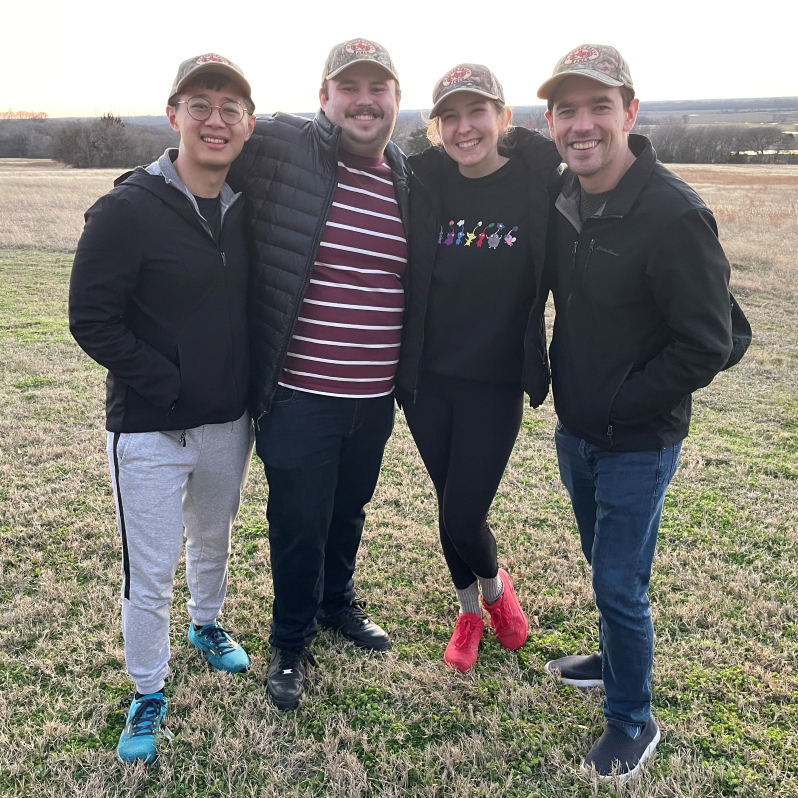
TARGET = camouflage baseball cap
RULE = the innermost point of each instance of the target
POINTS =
(466, 77)
(596, 61)
(352, 52)
(210, 62)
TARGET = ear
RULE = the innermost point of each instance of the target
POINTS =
(508, 118)
(322, 99)
(171, 115)
(631, 115)
(250, 126)
(550, 120)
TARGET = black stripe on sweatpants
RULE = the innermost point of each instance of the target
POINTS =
(125, 558)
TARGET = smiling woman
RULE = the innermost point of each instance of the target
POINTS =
(471, 343)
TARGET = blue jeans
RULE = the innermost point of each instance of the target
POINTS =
(617, 499)
(322, 457)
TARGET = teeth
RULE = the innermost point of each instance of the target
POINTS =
(584, 145)
(214, 141)
(465, 145)
(365, 116)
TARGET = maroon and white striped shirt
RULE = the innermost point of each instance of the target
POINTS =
(346, 340)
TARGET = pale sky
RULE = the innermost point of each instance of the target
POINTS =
(86, 57)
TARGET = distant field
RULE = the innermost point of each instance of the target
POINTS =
(724, 588)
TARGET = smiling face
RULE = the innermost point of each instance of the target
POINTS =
(469, 126)
(212, 144)
(590, 127)
(363, 101)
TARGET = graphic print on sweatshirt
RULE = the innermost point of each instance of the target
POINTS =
(483, 279)
(492, 235)
(346, 339)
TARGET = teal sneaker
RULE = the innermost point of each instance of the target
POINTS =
(221, 651)
(144, 720)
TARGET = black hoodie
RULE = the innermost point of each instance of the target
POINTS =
(156, 301)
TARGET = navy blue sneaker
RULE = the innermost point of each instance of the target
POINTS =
(221, 651)
(144, 723)
(616, 756)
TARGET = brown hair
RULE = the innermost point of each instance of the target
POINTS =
(215, 81)
(627, 95)
(504, 112)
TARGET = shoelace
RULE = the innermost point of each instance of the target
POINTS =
(145, 717)
(464, 629)
(500, 615)
(358, 609)
(219, 638)
(292, 657)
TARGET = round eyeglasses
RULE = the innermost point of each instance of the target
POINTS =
(200, 109)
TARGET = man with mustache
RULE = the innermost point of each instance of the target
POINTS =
(641, 290)
(328, 199)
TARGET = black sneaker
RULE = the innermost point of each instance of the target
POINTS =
(578, 670)
(285, 681)
(354, 624)
(616, 756)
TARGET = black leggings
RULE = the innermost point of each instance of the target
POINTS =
(465, 431)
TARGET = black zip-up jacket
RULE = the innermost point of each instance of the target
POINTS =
(541, 158)
(156, 301)
(641, 292)
(289, 171)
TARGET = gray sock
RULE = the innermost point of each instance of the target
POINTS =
(491, 588)
(469, 599)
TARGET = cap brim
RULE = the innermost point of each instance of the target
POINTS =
(435, 108)
(223, 69)
(361, 61)
(547, 89)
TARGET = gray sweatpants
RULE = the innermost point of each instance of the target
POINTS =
(164, 489)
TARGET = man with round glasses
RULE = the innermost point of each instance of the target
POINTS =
(157, 296)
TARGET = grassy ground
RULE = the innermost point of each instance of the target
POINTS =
(723, 591)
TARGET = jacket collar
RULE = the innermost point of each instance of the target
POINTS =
(623, 196)
(165, 167)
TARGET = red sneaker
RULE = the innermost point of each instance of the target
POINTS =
(461, 653)
(506, 616)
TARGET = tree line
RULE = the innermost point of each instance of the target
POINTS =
(674, 140)
(110, 142)
(107, 142)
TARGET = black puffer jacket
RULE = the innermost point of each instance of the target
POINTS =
(156, 301)
(541, 158)
(289, 171)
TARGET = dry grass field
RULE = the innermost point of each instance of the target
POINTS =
(724, 589)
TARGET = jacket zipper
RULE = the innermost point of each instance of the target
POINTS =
(308, 274)
(589, 253)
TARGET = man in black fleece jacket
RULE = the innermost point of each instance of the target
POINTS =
(158, 297)
(641, 290)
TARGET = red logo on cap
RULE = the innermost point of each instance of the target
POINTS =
(360, 47)
(211, 57)
(581, 54)
(457, 75)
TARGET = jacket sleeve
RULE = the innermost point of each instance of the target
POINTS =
(104, 276)
(688, 274)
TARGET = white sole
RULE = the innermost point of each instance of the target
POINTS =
(574, 682)
(622, 777)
